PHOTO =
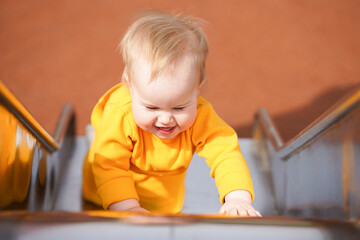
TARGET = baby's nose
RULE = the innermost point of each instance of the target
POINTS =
(165, 118)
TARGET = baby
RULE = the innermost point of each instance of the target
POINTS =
(148, 127)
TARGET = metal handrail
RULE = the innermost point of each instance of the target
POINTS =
(64, 122)
(326, 120)
(50, 143)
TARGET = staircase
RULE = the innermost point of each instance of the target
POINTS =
(307, 188)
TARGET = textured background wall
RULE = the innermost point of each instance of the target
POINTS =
(296, 58)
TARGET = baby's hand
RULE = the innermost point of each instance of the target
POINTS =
(238, 207)
(238, 203)
(128, 205)
(137, 209)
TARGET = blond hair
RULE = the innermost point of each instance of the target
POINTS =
(162, 38)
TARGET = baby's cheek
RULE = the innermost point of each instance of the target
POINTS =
(142, 119)
(187, 120)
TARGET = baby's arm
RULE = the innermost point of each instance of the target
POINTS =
(127, 205)
(238, 203)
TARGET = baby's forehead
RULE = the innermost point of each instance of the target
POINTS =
(177, 75)
(143, 63)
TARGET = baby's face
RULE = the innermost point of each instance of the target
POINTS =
(167, 105)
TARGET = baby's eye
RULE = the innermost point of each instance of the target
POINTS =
(179, 108)
(151, 108)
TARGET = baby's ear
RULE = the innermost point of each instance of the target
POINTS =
(125, 78)
(202, 84)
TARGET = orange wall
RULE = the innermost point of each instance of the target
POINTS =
(295, 58)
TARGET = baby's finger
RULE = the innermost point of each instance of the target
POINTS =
(222, 210)
(251, 212)
(243, 212)
(233, 212)
(258, 214)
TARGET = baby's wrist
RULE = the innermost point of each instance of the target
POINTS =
(240, 194)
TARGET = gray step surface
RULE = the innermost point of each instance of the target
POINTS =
(113, 230)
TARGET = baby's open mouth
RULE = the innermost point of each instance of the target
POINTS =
(165, 130)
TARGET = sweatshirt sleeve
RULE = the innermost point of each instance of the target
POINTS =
(113, 151)
(218, 143)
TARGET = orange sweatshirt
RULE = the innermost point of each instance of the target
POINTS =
(121, 148)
